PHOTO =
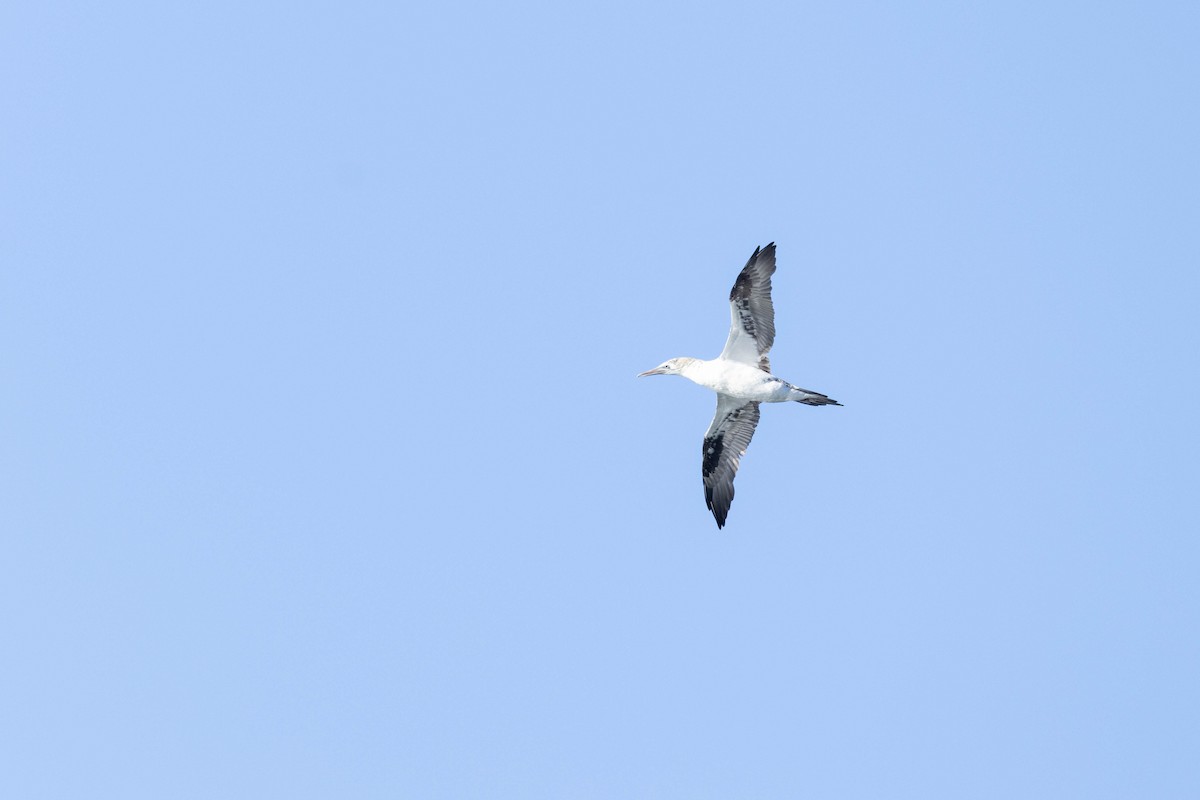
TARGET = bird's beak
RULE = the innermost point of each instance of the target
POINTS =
(655, 371)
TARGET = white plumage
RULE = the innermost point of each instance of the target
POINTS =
(741, 377)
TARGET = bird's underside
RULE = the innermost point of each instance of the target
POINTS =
(741, 377)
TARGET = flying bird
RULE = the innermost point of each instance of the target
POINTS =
(741, 377)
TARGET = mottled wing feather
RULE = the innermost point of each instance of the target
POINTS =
(724, 445)
(752, 328)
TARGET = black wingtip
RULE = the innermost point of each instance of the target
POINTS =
(719, 517)
(708, 501)
(763, 254)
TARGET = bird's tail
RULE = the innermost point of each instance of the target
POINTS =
(810, 398)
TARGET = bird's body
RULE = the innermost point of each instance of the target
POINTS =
(741, 377)
(743, 382)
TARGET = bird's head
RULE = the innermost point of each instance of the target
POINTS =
(672, 367)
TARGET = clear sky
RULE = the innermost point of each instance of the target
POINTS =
(324, 471)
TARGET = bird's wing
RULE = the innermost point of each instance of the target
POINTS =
(724, 444)
(752, 331)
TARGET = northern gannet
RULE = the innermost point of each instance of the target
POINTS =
(741, 377)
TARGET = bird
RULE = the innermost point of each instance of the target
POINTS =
(741, 377)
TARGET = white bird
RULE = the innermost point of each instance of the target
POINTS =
(741, 377)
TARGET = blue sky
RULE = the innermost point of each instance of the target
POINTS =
(325, 473)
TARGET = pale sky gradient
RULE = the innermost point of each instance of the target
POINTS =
(324, 472)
